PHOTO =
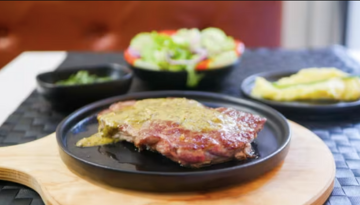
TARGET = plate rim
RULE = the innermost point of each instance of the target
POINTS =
(87, 108)
(278, 104)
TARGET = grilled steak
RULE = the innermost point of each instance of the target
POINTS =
(182, 130)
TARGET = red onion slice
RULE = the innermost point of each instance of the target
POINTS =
(134, 52)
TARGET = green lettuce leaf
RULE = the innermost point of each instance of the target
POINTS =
(193, 78)
(216, 41)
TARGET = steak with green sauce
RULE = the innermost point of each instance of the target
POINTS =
(180, 129)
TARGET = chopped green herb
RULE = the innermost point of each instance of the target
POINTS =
(83, 77)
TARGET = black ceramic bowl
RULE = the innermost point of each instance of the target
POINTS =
(70, 97)
(177, 80)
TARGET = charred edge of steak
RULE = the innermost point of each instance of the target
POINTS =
(158, 145)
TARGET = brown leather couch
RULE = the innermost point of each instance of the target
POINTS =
(108, 26)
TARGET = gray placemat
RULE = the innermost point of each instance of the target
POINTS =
(34, 118)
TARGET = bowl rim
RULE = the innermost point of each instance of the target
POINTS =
(73, 69)
(240, 50)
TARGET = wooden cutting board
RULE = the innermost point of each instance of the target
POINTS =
(305, 177)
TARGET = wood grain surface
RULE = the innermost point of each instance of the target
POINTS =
(305, 177)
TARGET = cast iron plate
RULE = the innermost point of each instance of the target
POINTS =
(121, 165)
(308, 109)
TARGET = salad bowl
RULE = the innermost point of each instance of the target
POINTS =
(184, 58)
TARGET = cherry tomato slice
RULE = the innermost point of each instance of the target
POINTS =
(203, 65)
(167, 32)
(129, 58)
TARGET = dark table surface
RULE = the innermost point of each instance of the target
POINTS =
(34, 118)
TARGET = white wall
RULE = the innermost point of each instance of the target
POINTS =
(311, 24)
(353, 26)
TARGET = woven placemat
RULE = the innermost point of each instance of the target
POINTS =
(34, 118)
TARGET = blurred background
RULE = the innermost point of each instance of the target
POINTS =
(103, 26)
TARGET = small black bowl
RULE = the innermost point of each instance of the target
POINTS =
(71, 97)
(177, 80)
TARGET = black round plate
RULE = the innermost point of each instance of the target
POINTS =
(121, 165)
(308, 109)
